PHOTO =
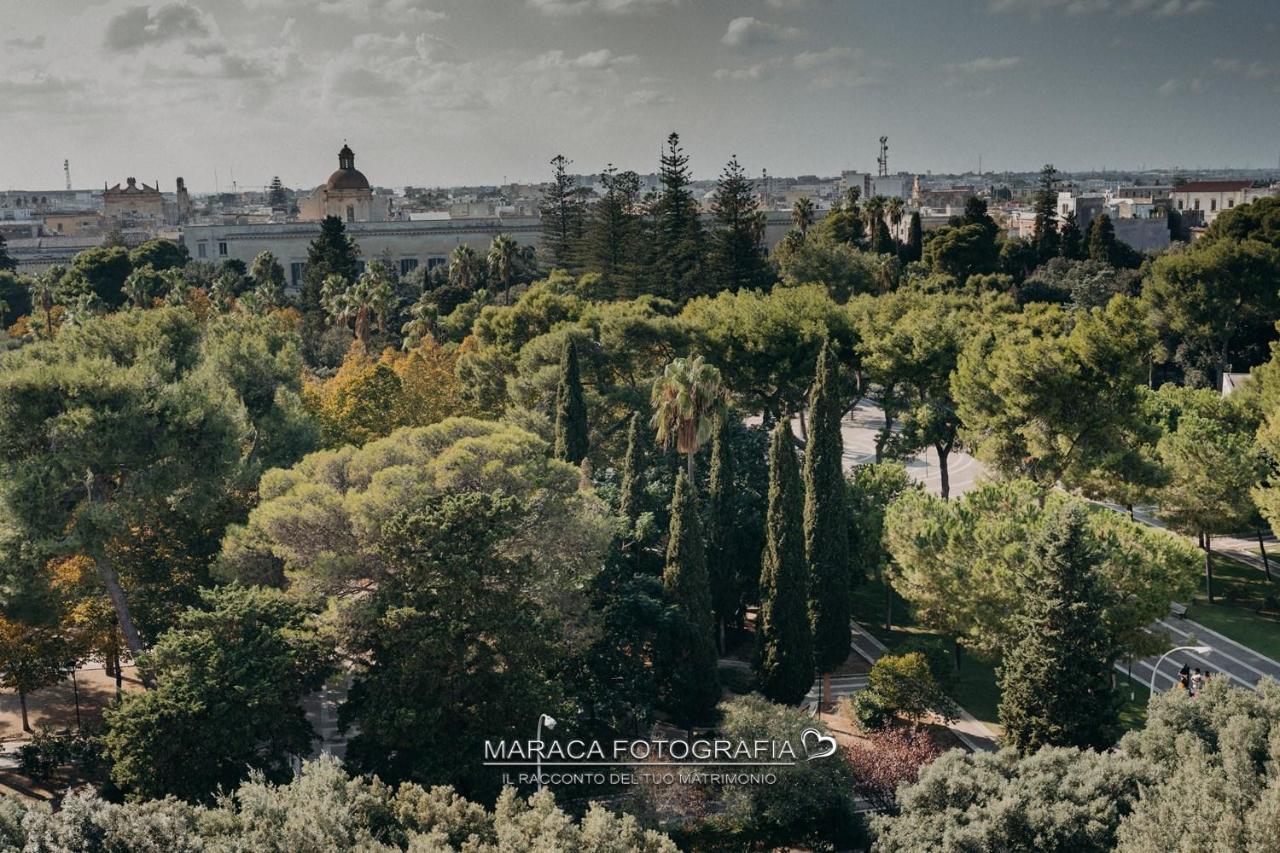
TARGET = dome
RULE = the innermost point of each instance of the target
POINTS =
(348, 177)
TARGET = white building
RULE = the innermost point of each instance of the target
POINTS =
(1211, 198)
(346, 195)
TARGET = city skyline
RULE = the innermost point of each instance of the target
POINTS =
(446, 92)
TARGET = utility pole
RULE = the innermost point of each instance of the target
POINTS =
(66, 169)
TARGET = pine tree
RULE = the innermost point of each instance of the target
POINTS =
(276, 195)
(1055, 682)
(678, 236)
(333, 252)
(736, 257)
(1072, 239)
(691, 687)
(563, 216)
(915, 239)
(883, 243)
(1102, 239)
(611, 245)
(633, 474)
(572, 440)
(1046, 235)
(7, 263)
(826, 532)
(784, 642)
(722, 544)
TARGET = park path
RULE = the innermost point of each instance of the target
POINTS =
(973, 733)
(1244, 666)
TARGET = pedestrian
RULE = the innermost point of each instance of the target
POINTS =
(1197, 681)
(1184, 676)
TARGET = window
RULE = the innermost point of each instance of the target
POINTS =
(222, 248)
(202, 249)
(437, 261)
(1179, 204)
(1213, 205)
(297, 270)
(1231, 202)
(1197, 204)
(408, 265)
(351, 213)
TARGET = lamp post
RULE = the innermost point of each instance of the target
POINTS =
(1200, 650)
(550, 722)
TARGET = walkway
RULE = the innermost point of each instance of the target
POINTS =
(1242, 665)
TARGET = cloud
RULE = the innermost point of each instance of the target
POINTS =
(809, 59)
(1254, 70)
(986, 64)
(595, 60)
(648, 98)
(748, 31)
(1154, 8)
(141, 26)
(401, 11)
(569, 8)
(758, 71)
(19, 43)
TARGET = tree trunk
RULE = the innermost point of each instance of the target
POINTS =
(944, 476)
(1208, 568)
(955, 648)
(22, 702)
(804, 427)
(888, 605)
(826, 691)
(124, 616)
(689, 467)
(1266, 561)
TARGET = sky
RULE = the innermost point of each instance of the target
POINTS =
(449, 92)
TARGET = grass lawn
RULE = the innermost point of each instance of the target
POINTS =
(1239, 591)
(975, 687)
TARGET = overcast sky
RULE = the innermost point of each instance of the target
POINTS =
(440, 92)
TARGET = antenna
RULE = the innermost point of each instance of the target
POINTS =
(66, 168)
(883, 159)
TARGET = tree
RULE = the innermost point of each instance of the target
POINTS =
(735, 254)
(229, 679)
(842, 269)
(268, 279)
(1055, 682)
(31, 657)
(465, 268)
(277, 195)
(503, 257)
(563, 216)
(691, 687)
(632, 501)
(678, 235)
(1045, 234)
(960, 251)
(369, 301)
(105, 426)
(572, 440)
(888, 760)
(332, 252)
(1101, 244)
(803, 214)
(100, 273)
(611, 246)
(784, 640)
(458, 649)
(1212, 469)
(901, 684)
(826, 534)
(160, 255)
(143, 286)
(1072, 240)
(685, 400)
(914, 249)
(7, 263)
(722, 531)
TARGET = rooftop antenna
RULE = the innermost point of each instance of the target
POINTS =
(66, 169)
(883, 159)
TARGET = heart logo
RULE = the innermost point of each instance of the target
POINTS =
(824, 745)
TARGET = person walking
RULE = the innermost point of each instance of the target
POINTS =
(1184, 676)
(1197, 682)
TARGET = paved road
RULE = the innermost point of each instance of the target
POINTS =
(1242, 665)
(859, 430)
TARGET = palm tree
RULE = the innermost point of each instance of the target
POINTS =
(421, 325)
(895, 210)
(802, 214)
(875, 212)
(503, 252)
(851, 196)
(370, 298)
(686, 399)
(42, 293)
(464, 267)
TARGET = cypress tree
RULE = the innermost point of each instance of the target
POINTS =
(826, 532)
(915, 238)
(1055, 683)
(571, 409)
(1072, 240)
(332, 252)
(722, 551)
(633, 473)
(1045, 234)
(784, 643)
(1102, 239)
(690, 684)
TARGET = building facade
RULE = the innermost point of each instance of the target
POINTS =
(1211, 198)
(134, 205)
(346, 195)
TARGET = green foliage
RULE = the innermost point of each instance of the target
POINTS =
(679, 240)
(838, 266)
(229, 679)
(690, 688)
(98, 272)
(1055, 679)
(572, 439)
(563, 216)
(323, 810)
(964, 564)
(961, 251)
(686, 400)
(871, 489)
(901, 685)
(735, 255)
(612, 244)
(160, 255)
(632, 502)
(784, 641)
(826, 534)
(457, 651)
(723, 534)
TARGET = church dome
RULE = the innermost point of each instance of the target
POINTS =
(347, 177)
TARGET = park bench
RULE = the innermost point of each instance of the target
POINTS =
(1179, 610)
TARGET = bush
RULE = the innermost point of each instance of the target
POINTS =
(889, 760)
(904, 684)
(866, 709)
(49, 750)
(737, 680)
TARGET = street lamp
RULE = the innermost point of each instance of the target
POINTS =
(1200, 650)
(550, 723)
